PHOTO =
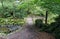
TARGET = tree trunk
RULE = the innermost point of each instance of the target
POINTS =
(46, 18)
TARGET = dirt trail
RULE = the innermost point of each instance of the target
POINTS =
(29, 33)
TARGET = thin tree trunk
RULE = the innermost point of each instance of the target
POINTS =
(46, 18)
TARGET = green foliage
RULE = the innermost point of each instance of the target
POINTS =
(4, 21)
(51, 5)
(34, 6)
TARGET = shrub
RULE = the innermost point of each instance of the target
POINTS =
(42, 27)
(38, 23)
